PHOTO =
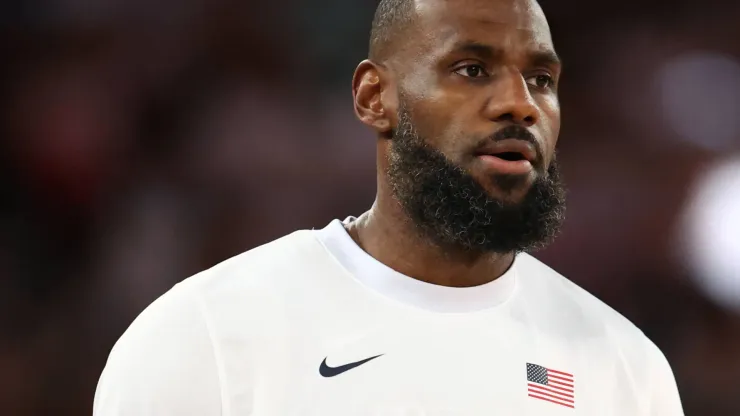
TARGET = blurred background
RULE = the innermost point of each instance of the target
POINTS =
(144, 141)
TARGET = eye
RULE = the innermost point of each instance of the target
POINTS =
(472, 71)
(541, 81)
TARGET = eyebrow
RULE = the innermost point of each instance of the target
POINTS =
(488, 52)
(479, 49)
(546, 58)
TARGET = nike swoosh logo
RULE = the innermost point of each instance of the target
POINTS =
(327, 371)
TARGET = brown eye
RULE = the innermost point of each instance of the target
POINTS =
(541, 81)
(472, 71)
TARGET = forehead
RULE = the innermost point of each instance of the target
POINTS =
(507, 24)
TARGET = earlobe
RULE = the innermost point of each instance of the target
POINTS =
(367, 91)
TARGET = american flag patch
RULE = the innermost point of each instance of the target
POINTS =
(550, 385)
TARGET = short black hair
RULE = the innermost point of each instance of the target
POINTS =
(391, 18)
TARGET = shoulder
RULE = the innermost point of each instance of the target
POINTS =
(564, 310)
(281, 257)
(145, 373)
(168, 360)
(257, 281)
(571, 310)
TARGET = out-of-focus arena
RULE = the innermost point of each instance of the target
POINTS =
(144, 141)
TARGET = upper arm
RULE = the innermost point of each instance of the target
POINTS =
(665, 400)
(163, 365)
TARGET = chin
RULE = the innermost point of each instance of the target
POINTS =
(508, 188)
(508, 197)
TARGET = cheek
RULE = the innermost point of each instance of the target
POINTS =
(550, 123)
(447, 131)
(453, 117)
(434, 121)
(438, 112)
(439, 128)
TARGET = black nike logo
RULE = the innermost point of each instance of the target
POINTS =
(327, 371)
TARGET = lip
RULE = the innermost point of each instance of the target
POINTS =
(526, 149)
(488, 155)
(508, 167)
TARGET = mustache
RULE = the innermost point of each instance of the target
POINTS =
(514, 131)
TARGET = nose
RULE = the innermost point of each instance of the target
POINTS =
(511, 101)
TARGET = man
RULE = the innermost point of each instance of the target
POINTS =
(426, 304)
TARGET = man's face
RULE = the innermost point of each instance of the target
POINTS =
(472, 158)
(474, 67)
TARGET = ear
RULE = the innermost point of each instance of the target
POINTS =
(371, 97)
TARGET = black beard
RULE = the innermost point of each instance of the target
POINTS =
(452, 210)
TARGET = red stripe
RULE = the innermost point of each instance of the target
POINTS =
(543, 389)
(552, 401)
(558, 397)
(568, 380)
(559, 383)
(560, 372)
(559, 388)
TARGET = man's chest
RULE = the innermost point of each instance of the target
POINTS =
(429, 372)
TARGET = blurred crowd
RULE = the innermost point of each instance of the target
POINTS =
(143, 142)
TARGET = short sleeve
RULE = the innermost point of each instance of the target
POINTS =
(163, 365)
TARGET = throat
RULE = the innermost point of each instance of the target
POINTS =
(406, 252)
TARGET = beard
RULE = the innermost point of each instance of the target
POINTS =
(452, 210)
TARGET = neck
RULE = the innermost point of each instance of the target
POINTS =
(387, 234)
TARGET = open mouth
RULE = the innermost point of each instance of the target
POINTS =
(510, 161)
(510, 156)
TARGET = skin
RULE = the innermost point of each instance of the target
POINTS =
(465, 69)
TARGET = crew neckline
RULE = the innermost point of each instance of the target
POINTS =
(378, 277)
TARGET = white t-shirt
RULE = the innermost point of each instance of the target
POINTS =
(310, 324)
